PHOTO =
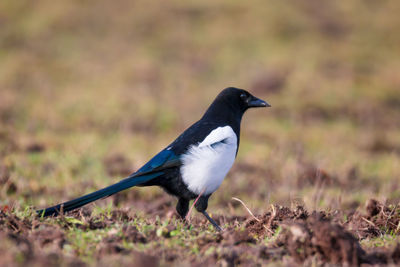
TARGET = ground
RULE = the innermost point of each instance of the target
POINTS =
(90, 91)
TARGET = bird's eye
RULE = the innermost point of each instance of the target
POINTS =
(243, 96)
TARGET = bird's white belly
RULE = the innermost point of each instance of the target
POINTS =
(205, 165)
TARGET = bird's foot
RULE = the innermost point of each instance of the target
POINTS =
(187, 217)
(186, 223)
(216, 226)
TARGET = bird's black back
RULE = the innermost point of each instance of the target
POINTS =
(226, 110)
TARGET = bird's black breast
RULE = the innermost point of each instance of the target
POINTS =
(171, 181)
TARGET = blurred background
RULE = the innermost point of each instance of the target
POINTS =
(90, 90)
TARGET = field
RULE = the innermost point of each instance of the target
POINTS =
(89, 91)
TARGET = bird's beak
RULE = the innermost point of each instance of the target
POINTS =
(255, 102)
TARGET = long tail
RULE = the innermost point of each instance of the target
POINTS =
(102, 193)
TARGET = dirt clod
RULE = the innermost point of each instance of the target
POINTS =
(373, 207)
(379, 220)
(296, 235)
(48, 235)
(131, 234)
(35, 147)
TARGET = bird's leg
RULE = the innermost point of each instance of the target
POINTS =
(212, 221)
(194, 203)
(182, 207)
(201, 206)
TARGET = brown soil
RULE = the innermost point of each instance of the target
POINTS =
(294, 235)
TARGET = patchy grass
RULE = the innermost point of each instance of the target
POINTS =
(281, 233)
(89, 92)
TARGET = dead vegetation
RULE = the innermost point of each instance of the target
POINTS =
(296, 235)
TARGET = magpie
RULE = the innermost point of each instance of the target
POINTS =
(194, 165)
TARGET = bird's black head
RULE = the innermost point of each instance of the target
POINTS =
(240, 99)
(231, 104)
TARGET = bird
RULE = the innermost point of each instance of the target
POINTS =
(194, 165)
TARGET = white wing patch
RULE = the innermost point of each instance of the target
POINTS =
(205, 165)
